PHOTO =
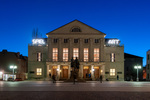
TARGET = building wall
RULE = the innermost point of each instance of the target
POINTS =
(33, 64)
(118, 65)
(87, 32)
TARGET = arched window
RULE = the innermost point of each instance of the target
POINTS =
(76, 29)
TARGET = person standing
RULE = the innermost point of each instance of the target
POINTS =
(101, 78)
(117, 77)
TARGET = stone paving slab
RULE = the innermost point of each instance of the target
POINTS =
(88, 95)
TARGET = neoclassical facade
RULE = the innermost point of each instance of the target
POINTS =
(97, 55)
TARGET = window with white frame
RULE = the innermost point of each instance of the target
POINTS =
(112, 72)
(86, 54)
(55, 54)
(39, 71)
(112, 57)
(96, 54)
(39, 56)
(75, 53)
(65, 54)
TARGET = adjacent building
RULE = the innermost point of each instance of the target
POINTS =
(148, 65)
(97, 55)
(8, 59)
(130, 73)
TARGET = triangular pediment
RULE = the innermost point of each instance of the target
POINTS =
(75, 27)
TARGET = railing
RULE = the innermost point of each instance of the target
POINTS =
(37, 44)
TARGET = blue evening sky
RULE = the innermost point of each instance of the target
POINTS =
(127, 20)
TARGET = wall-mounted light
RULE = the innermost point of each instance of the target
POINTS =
(1, 73)
(93, 69)
(57, 69)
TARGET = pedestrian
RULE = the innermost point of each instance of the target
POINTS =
(53, 77)
(101, 78)
(89, 75)
(86, 75)
(117, 77)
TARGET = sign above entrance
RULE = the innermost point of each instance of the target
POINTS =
(112, 42)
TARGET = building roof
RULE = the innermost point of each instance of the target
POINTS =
(75, 23)
(126, 55)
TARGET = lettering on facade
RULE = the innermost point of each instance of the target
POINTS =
(112, 42)
(38, 41)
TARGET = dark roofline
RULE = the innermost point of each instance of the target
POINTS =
(71, 22)
(127, 55)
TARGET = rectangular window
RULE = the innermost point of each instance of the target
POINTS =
(55, 54)
(65, 54)
(148, 66)
(96, 54)
(86, 54)
(148, 57)
(96, 40)
(112, 72)
(75, 53)
(85, 40)
(112, 57)
(39, 71)
(55, 40)
(65, 40)
(75, 40)
(39, 56)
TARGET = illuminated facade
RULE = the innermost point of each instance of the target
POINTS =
(97, 55)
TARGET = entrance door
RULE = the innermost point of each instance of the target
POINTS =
(54, 72)
(96, 74)
(85, 72)
(65, 73)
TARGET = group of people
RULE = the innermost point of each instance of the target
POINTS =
(88, 75)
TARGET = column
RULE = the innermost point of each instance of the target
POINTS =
(81, 72)
(58, 72)
(92, 72)
(81, 50)
(103, 73)
(59, 51)
(69, 69)
(47, 71)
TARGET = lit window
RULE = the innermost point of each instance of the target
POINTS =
(39, 56)
(112, 57)
(65, 54)
(112, 72)
(86, 54)
(55, 54)
(75, 53)
(39, 71)
(96, 54)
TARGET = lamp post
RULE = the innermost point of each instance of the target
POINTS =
(137, 67)
(13, 67)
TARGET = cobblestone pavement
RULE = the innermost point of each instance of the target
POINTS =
(93, 90)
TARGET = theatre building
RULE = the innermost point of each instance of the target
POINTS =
(97, 55)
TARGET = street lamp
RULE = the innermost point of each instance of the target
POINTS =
(137, 67)
(13, 67)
